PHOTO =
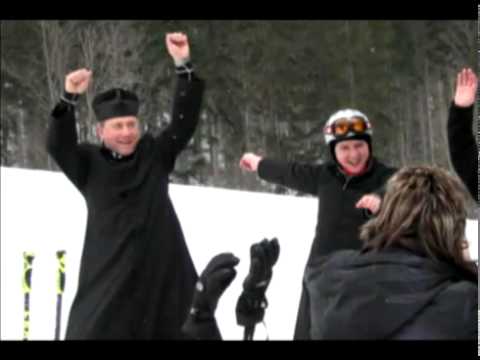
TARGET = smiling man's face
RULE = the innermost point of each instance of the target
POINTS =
(120, 134)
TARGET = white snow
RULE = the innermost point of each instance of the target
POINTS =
(42, 212)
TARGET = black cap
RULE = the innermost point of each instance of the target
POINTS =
(115, 103)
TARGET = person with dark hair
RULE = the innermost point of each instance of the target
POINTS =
(136, 273)
(462, 144)
(411, 280)
(348, 187)
(214, 280)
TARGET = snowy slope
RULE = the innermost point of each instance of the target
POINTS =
(42, 212)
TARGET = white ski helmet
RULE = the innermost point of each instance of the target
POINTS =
(353, 118)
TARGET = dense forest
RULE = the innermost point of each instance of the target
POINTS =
(271, 86)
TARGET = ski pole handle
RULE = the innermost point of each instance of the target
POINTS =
(61, 271)
(27, 271)
(60, 289)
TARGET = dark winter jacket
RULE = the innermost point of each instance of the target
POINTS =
(136, 274)
(392, 294)
(338, 220)
(463, 146)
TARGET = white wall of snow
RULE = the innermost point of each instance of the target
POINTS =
(42, 212)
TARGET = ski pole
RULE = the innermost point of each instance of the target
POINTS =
(60, 289)
(27, 287)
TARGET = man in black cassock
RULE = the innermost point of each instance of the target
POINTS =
(136, 274)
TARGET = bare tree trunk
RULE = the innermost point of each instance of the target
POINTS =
(46, 40)
(213, 146)
(281, 131)
(428, 113)
(401, 123)
(246, 126)
(87, 46)
(419, 120)
(443, 111)
(23, 139)
(266, 122)
(407, 128)
(89, 51)
(351, 70)
(403, 148)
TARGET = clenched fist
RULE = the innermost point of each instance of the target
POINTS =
(249, 162)
(178, 47)
(77, 81)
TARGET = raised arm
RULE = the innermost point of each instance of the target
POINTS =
(62, 139)
(462, 145)
(186, 102)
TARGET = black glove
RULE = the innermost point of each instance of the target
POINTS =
(252, 302)
(213, 281)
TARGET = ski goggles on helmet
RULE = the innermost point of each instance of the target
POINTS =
(343, 126)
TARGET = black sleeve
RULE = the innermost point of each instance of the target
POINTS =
(62, 144)
(185, 115)
(301, 177)
(463, 147)
(471, 315)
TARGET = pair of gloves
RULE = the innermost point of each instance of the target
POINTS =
(219, 274)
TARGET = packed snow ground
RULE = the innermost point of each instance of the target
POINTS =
(42, 212)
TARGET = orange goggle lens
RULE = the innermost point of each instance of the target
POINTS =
(343, 126)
